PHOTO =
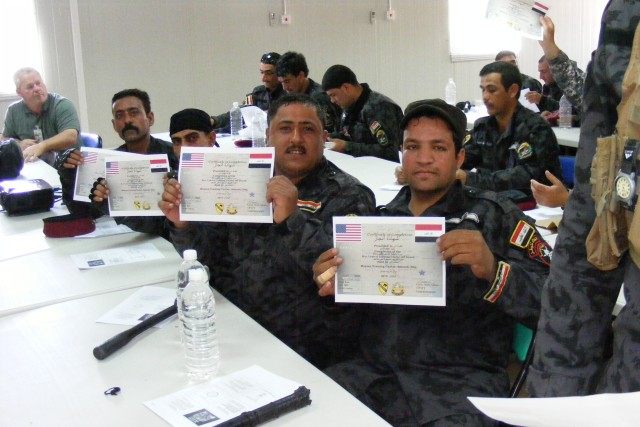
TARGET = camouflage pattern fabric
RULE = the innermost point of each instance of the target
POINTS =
(530, 83)
(332, 112)
(573, 350)
(265, 269)
(551, 94)
(371, 126)
(418, 364)
(509, 161)
(570, 79)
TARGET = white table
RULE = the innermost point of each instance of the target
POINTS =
(49, 376)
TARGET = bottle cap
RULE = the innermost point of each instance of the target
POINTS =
(197, 274)
(190, 255)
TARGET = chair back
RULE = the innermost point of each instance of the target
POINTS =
(568, 164)
(91, 140)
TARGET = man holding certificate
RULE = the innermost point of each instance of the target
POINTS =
(415, 365)
(265, 268)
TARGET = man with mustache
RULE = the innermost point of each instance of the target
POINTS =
(132, 120)
(511, 146)
(265, 269)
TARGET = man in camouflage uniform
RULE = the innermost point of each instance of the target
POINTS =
(293, 74)
(417, 365)
(573, 346)
(265, 269)
(262, 96)
(513, 144)
(528, 82)
(370, 121)
(549, 98)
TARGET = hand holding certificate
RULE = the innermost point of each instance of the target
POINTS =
(225, 185)
(390, 260)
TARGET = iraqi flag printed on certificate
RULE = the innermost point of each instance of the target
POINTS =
(390, 260)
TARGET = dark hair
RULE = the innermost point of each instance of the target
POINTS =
(137, 93)
(509, 74)
(542, 59)
(336, 76)
(504, 53)
(292, 63)
(270, 58)
(297, 98)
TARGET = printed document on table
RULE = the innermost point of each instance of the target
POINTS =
(117, 256)
(91, 169)
(225, 185)
(135, 184)
(223, 398)
(139, 306)
(390, 260)
(520, 15)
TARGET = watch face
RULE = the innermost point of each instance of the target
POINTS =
(624, 187)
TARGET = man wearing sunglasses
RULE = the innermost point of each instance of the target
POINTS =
(261, 96)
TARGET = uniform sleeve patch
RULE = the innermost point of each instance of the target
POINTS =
(466, 139)
(522, 234)
(381, 137)
(499, 282)
(374, 127)
(524, 151)
(539, 250)
(309, 206)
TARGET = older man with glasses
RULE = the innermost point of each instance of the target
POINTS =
(261, 96)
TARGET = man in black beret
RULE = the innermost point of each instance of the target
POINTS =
(416, 365)
(370, 124)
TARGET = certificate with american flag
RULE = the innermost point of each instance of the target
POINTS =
(135, 184)
(225, 184)
(92, 168)
(390, 260)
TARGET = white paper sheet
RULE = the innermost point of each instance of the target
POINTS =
(619, 410)
(222, 399)
(135, 184)
(525, 102)
(106, 226)
(117, 256)
(390, 260)
(92, 169)
(225, 185)
(522, 16)
(140, 305)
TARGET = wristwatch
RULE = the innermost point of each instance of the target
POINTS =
(625, 182)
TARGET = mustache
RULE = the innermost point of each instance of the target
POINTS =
(297, 148)
(130, 127)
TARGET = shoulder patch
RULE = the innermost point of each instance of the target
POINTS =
(374, 127)
(540, 251)
(309, 206)
(466, 139)
(522, 234)
(381, 137)
(524, 150)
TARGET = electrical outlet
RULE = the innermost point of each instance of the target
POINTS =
(372, 17)
(391, 15)
(272, 18)
(285, 19)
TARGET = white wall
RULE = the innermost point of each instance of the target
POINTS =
(204, 53)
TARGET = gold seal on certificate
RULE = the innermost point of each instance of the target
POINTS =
(225, 185)
(390, 260)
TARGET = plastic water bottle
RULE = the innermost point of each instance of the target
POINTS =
(450, 92)
(235, 117)
(202, 355)
(190, 262)
(257, 131)
(564, 119)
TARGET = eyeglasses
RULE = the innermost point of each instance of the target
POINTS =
(270, 58)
